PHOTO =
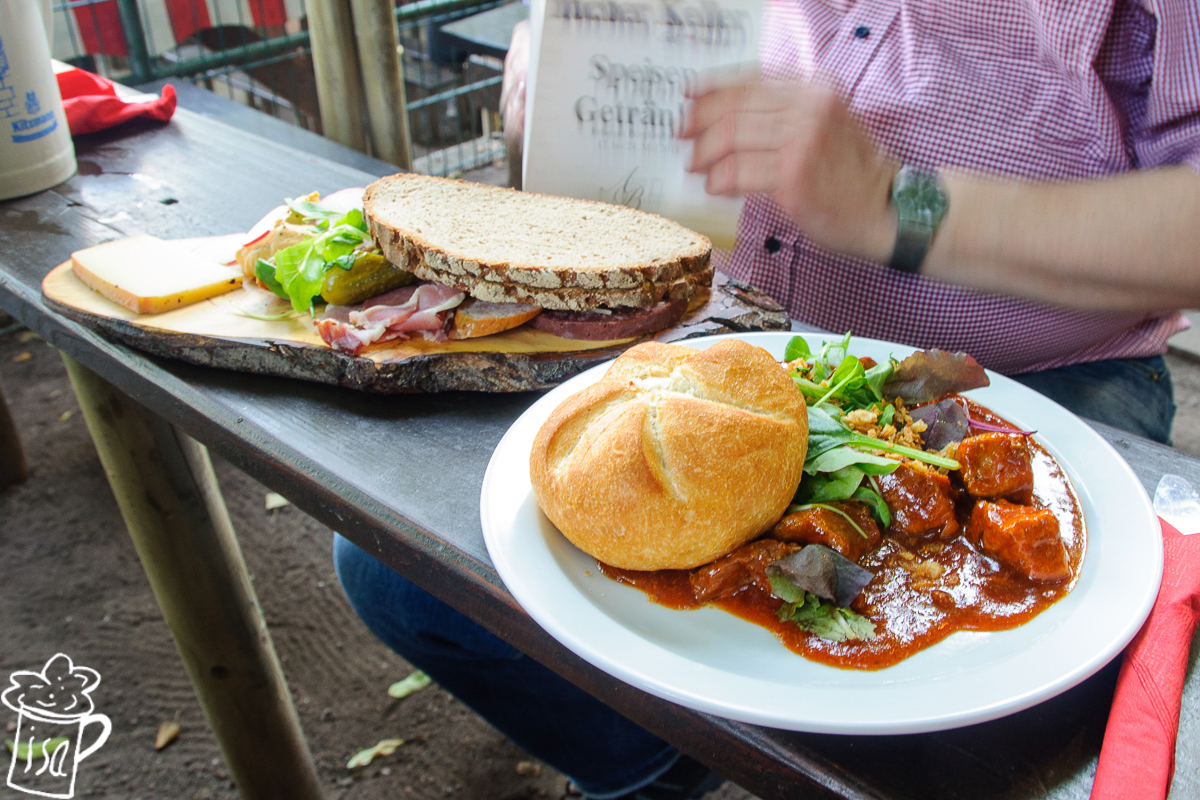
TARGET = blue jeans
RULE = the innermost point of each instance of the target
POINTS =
(603, 752)
(1133, 394)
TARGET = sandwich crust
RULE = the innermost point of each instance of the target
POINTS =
(501, 245)
(675, 457)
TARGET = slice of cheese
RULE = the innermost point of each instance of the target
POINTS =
(149, 276)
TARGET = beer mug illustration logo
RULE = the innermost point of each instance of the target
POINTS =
(54, 709)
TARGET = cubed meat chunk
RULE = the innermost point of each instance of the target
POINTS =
(1026, 539)
(996, 465)
(744, 567)
(921, 501)
(819, 525)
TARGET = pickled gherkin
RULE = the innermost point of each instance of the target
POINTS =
(371, 274)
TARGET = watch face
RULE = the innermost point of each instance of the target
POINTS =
(919, 198)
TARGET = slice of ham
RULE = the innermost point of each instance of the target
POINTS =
(419, 309)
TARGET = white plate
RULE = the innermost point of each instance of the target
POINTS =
(714, 662)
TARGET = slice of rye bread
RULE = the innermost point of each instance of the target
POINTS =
(501, 245)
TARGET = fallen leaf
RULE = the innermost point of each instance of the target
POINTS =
(19, 357)
(55, 393)
(413, 683)
(364, 757)
(167, 733)
(66, 415)
(275, 501)
(528, 769)
(26, 336)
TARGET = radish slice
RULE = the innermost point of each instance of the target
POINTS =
(264, 225)
(344, 200)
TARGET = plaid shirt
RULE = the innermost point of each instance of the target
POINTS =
(1037, 89)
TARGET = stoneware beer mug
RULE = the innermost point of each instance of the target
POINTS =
(35, 143)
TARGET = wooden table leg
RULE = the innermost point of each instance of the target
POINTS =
(168, 494)
(13, 468)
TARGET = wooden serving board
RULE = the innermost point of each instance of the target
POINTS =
(218, 333)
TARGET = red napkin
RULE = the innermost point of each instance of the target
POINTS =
(91, 103)
(1138, 756)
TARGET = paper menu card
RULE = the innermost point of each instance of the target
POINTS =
(605, 99)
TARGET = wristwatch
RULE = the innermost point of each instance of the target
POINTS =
(920, 200)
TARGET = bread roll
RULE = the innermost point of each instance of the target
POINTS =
(675, 457)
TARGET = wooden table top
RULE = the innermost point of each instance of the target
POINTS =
(401, 476)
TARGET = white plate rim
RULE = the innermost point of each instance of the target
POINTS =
(600, 621)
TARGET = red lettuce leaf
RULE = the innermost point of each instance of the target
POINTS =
(945, 422)
(929, 375)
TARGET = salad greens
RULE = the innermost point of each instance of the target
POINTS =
(835, 376)
(817, 586)
(841, 463)
(298, 272)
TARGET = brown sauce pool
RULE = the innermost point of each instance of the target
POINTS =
(923, 590)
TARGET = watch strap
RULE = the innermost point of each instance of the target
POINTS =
(912, 243)
(920, 202)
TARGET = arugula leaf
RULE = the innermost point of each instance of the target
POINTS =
(878, 375)
(265, 272)
(844, 484)
(300, 270)
(835, 350)
(840, 457)
(827, 487)
(887, 415)
(849, 375)
(311, 209)
(797, 347)
(826, 432)
(869, 494)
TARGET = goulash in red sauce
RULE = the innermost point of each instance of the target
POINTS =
(985, 546)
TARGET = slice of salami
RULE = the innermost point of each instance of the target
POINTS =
(622, 323)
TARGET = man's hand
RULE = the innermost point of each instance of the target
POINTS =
(798, 144)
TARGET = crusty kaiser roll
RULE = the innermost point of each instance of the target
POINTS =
(675, 457)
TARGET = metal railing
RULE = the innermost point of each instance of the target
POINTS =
(258, 52)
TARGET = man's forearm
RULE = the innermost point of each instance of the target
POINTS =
(1128, 242)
